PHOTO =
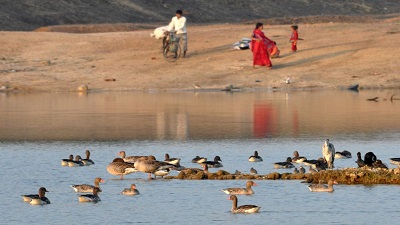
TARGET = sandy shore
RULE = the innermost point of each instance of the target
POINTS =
(331, 56)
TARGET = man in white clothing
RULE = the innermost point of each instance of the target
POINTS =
(178, 23)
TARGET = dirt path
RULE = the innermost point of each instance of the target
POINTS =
(331, 56)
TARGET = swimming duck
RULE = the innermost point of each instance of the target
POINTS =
(64, 162)
(369, 158)
(253, 171)
(173, 161)
(255, 157)
(328, 153)
(76, 162)
(298, 159)
(322, 187)
(241, 191)
(214, 164)
(242, 208)
(120, 168)
(90, 197)
(302, 170)
(86, 188)
(343, 155)
(37, 199)
(284, 165)
(198, 159)
(130, 191)
(395, 161)
(295, 171)
(87, 161)
(359, 161)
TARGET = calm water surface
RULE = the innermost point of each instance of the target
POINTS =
(38, 130)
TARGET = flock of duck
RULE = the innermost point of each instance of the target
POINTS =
(123, 165)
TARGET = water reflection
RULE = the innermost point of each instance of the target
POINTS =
(182, 116)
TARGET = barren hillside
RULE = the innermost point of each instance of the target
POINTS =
(31, 14)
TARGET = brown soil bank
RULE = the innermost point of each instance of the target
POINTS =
(31, 14)
(331, 56)
(345, 176)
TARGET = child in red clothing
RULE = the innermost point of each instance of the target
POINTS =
(294, 37)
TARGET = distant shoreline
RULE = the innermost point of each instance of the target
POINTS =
(332, 56)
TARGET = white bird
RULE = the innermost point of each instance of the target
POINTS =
(328, 153)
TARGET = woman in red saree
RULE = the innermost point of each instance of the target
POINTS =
(261, 47)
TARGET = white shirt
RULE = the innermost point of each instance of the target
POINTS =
(179, 25)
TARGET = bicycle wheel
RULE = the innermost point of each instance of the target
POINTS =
(172, 52)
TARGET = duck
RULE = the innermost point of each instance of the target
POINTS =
(76, 162)
(242, 208)
(161, 172)
(237, 172)
(255, 157)
(395, 161)
(369, 158)
(314, 163)
(130, 159)
(131, 191)
(328, 153)
(284, 165)
(302, 170)
(321, 165)
(295, 171)
(359, 161)
(343, 155)
(90, 197)
(298, 159)
(253, 171)
(199, 159)
(64, 162)
(195, 170)
(86, 188)
(120, 168)
(151, 165)
(322, 187)
(87, 161)
(311, 170)
(241, 191)
(37, 199)
(379, 164)
(214, 164)
(173, 161)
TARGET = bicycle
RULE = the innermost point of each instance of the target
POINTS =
(172, 49)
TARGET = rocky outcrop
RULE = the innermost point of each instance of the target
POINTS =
(342, 176)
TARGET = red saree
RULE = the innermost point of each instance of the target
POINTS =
(261, 47)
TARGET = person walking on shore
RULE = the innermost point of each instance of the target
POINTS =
(260, 45)
(178, 24)
(294, 37)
